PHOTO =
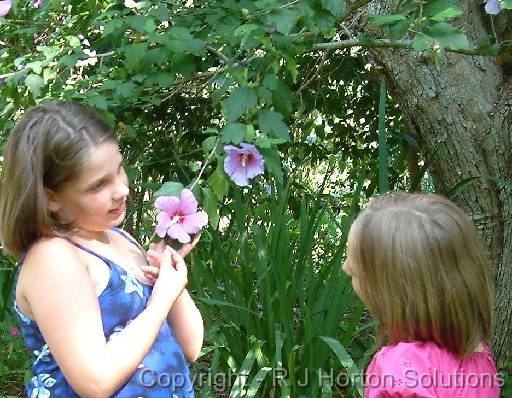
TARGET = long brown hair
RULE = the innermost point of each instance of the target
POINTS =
(46, 149)
(423, 271)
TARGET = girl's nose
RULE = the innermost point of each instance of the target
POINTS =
(122, 189)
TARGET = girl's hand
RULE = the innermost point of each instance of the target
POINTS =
(154, 256)
(172, 278)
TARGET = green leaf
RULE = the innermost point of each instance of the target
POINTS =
(161, 79)
(98, 101)
(49, 52)
(49, 74)
(448, 36)
(218, 181)
(273, 162)
(335, 7)
(132, 173)
(69, 60)
(283, 19)
(434, 7)
(386, 19)
(238, 387)
(73, 41)
(234, 132)
(283, 98)
(209, 143)
(160, 12)
(250, 133)
(125, 89)
(447, 14)
(263, 141)
(170, 188)
(210, 206)
(141, 23)
(257, 381)
(181, 40)
(34, 83)
(346, 361)
(506, 4)
(244, 31)
(112, 26)
(271, 123)
(420, 42)
(398, 30)
(239, 102)
(36, 67)
(134, 53)
(150, 25)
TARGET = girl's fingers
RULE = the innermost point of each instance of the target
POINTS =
(187, 248)
(153, 257)
(150, 271)
(157, 247)
(177, 259)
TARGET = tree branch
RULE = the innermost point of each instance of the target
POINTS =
(386, 43)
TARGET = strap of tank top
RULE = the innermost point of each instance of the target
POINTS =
(86, 249)
(130, 239)
(119, 231)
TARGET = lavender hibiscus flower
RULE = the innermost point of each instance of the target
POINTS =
(492, 7)
(242, 164)
(179, 217)
(37, 3)
(5, 6)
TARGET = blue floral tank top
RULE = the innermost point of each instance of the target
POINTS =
(163, 373)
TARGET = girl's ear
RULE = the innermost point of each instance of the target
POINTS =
(51, 200)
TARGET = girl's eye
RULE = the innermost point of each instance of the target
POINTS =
(98, 185)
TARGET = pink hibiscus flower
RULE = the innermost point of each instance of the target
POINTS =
(14, 331)
(242, 164)
(179, 217)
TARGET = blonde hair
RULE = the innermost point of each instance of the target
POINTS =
(423, 271)
(47, 148)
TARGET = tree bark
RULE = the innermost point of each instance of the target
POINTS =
(461, 114)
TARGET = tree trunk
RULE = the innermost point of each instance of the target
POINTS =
(462, 116)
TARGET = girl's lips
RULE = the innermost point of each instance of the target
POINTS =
(118, 210)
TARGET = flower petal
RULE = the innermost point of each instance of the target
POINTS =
(193, 223)
(169, 204)
(188, 203)
(492, 7)
(163, 223)
(232, 162)
(176, 231)
(239, 177)
(255, 167)
(5, 6)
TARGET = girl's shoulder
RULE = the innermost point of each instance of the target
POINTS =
(426, 350)
(423, 356)
(55, 248)
(426, 370)
(47, 259)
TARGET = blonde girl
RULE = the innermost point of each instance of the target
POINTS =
(93, 322)
(417, 263)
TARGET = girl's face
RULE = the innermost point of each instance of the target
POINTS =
(95, 200)
(349, 267)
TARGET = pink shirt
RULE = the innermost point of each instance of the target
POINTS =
(424, 370)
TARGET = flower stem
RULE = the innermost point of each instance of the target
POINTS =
(205, 164)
